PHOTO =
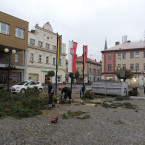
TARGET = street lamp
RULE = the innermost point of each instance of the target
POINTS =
(6, 50)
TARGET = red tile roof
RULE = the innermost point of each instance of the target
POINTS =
(80, 59)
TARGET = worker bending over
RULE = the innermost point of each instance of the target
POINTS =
(67, 92)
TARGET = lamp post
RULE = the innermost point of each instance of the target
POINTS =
(6, 50)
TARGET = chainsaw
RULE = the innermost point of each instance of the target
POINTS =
(54, 119)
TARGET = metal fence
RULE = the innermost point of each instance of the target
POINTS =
(110, 88)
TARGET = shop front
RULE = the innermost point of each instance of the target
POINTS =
(14, 77)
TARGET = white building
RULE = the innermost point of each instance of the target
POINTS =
(42, 43)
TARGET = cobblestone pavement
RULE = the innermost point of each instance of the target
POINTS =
(100, 129)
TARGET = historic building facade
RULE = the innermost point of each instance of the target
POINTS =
(41, 57)
(129, 55)
(92, 70)
(13, 37)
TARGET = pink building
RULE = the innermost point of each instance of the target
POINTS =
(129, 55)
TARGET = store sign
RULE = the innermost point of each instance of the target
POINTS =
(45, 70)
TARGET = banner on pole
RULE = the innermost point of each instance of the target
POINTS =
(72, 57)
(59, 49)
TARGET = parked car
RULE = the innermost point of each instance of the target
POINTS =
(22, 87)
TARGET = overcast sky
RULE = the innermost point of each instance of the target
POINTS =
(87, 22)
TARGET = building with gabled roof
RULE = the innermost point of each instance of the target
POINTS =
(41, 58)
(92, 70)
(128, 55)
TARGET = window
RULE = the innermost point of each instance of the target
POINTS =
(54, 47)
(16, 77)
(109, 67)
(78, 69)
(40, 44)
(131, 67)
(90, 70)
(131, 54)
(144, 54)
(144, 66)
(33, 76)
(124, 55)
(119, 55)
(40, 58)
(19, 33)
(47, 59)
(59, 79)
(53, 61)
(33, 83)
(109, 56)
(94, 71)
(137, 67)
(32, 41)
(32, 57)
(137, 54)
(124, 66)
(16, 58)
(47, 45)
(119, 66)
(4, 28)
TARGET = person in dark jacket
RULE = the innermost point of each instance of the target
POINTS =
(67, 92)
(50, 93)
(82, 91)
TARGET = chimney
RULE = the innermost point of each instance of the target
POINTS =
(117, 43)
(95, 59)
(33, 31)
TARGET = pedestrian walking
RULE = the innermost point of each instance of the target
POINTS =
(67, 92)
(50, 93)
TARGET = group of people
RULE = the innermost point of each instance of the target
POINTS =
(66, 90)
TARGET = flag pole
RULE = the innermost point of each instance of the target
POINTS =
(83, 68)
(71, 77)
(56, 66)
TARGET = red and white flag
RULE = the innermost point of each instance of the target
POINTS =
(72, 56)
(85, 55)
